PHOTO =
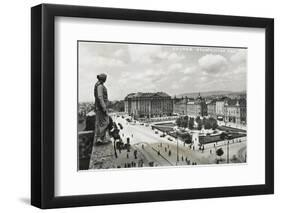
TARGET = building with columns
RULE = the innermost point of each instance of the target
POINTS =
(148, 105)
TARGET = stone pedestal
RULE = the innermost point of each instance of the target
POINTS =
(102, 157)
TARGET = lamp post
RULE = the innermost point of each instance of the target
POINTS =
(227, 151)
(177, 147)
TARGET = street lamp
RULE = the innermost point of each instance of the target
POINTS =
(177, 147)
(227, 151)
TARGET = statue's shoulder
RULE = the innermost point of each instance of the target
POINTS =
(98, 84)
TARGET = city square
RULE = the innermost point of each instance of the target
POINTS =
(154, 150)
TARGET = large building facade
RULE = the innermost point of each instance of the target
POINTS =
(148, 105)
(235, 111)
(159, 104)
(179, 105)
(190, 106)
(220, 108)
(211, 108)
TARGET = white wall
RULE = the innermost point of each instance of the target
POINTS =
(15, 105)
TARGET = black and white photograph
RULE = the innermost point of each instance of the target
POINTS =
(144, 105)
(158, 105)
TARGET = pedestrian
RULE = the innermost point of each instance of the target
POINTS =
(127, 155)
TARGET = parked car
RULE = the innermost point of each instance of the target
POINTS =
(162, 135)
(156, 132)
(170, 139)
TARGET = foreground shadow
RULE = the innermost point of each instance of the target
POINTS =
(25, 200)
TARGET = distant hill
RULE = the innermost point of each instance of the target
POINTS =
(211, 94)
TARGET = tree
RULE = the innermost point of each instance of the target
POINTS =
(199, 125)
(186, 137)
(179, 121)
(204, 121)
(219, 152)
(223, 136)
(207, 124)
(213, 123)
(210, 123)
(199, 122)
(197, 119)
(182, 122)
(185, 121)
(191, 123)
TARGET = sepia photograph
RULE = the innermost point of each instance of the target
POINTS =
(160, 105)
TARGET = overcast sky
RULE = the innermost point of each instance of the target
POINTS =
(154, 68)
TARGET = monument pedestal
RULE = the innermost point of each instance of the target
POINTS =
(102, 156)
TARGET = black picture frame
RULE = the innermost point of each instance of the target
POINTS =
(43, 105)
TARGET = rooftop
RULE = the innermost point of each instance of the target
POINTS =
(236, 102)
(146, 95)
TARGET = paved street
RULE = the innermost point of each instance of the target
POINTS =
(151, 148)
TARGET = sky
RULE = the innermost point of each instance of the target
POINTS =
(159, 68)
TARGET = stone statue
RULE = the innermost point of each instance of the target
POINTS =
(102, 117)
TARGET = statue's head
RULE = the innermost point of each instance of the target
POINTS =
(102, 77)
